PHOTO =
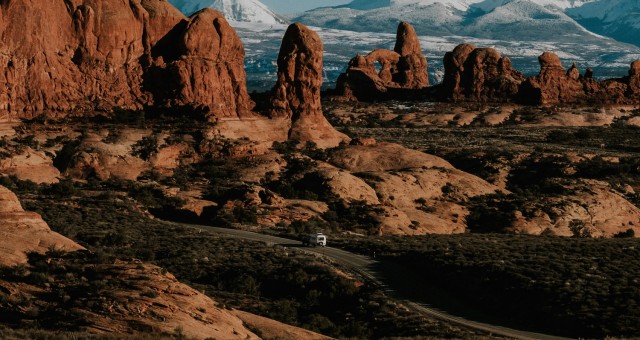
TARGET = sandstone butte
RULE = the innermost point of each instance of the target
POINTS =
(80, 57)
(401, 71)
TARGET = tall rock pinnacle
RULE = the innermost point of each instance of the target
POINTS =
(296, 95)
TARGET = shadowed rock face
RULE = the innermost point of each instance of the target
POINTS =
(478, 74)
(387, 74)
(59, 57)
(296, 95)
(554, 84)
(201, 63)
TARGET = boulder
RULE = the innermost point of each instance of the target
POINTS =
(296, 95)
(478, 74)
(387, 74)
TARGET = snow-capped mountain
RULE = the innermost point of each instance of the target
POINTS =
(619, 19)
(541, 20)
(234, 10)
(538, 20)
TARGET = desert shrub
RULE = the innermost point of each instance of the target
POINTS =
(64, 188)
(146, 147)
(17, 185)
(292, 182)
(536, 173)
(28, 140)
(629, 233)
(152, 197)
(245, 215)
(353, 216)
(577, 287)
(491, 213)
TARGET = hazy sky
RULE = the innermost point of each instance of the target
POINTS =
(295, 6)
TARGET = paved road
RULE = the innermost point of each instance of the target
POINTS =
(363, 266)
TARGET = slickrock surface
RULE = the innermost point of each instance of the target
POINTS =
(22, 232)
(404, 68)
(417, 193)
(601, 211)
(30, 165)
(296, 95)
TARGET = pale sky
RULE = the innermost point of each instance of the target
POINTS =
(296, 6)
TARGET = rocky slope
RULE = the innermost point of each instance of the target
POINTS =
(139, 297)
(22, 232)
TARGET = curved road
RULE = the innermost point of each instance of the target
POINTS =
(363, 265)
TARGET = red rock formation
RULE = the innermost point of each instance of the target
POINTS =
(478, 74)
(63, 57)
(296, 95)
(405, 68)
(74, 56)
(555, 86)
(202, 65)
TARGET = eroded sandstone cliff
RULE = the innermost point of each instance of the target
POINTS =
(61, 57)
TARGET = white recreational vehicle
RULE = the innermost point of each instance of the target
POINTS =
(317, 239)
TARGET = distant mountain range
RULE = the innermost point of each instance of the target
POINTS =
(234, 10)
(577, 30)
(537, 20)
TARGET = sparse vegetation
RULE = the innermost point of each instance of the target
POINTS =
(265, 279)
(574, 287)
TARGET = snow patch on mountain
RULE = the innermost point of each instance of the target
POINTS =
(618, 19)
(233, 10)
(262, 44)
